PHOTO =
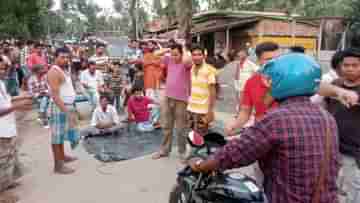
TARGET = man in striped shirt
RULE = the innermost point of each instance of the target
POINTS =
(38, 88)
(100, 58)
(203, 91)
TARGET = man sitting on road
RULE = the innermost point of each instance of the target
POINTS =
(105, 119)
(143, 110)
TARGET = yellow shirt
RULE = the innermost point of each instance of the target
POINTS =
(200, 88)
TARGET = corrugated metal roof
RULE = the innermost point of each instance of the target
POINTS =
(224, 26)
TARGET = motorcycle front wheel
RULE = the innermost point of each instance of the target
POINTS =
(179, 195)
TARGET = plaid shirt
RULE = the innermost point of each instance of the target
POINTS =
(24, 54)
(289, 145)
(36, 86)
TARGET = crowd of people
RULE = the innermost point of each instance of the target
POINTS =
(174, 88)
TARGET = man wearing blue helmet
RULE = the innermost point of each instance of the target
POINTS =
(295, 144)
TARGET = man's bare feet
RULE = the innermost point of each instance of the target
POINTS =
(159, 155)
(60, 168)
(69, 159)
(8, 198)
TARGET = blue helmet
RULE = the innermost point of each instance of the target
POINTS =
(293, 75)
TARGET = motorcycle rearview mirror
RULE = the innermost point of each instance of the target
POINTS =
(195, 139)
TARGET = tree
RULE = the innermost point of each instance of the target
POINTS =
(354, 26)
(25, 19)
(126, 8)
(184, 15)
(81, 15)
(132, 11)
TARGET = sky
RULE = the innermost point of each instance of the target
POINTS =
(102, 3)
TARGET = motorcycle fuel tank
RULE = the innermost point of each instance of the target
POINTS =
(234, 187)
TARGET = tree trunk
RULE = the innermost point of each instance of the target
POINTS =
(184, 15)
(133, 12)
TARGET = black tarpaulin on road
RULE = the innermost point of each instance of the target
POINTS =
(128, 144)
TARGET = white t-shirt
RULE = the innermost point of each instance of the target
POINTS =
(8, 122)
(93, 81)
(110, 116)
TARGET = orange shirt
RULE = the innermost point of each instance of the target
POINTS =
(152, 71)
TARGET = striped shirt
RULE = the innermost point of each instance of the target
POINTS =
(99, 60)
(117, 83)
(200, 88)
(38, 86)
(24, 54)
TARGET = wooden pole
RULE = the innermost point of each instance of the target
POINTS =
(227, 38)
(293, 31)
(320, 38)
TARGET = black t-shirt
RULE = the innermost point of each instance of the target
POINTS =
(348, 121)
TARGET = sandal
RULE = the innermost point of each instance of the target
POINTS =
(157, 126)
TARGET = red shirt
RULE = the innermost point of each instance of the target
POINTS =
(253, 96)
(35, 59)
(139, 108)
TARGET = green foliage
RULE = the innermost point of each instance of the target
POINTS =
(133, 16)
(168, 9)
(19, 18)
(354, 17)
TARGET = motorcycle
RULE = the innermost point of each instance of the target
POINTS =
(215, 187)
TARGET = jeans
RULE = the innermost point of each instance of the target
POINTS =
(43, 102)
(93, 97)
(148, 126)
(117, 102)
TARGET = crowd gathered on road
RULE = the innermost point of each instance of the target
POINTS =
(300, 126)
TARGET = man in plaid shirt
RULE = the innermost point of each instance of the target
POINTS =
(38, 88)
(289, 141)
